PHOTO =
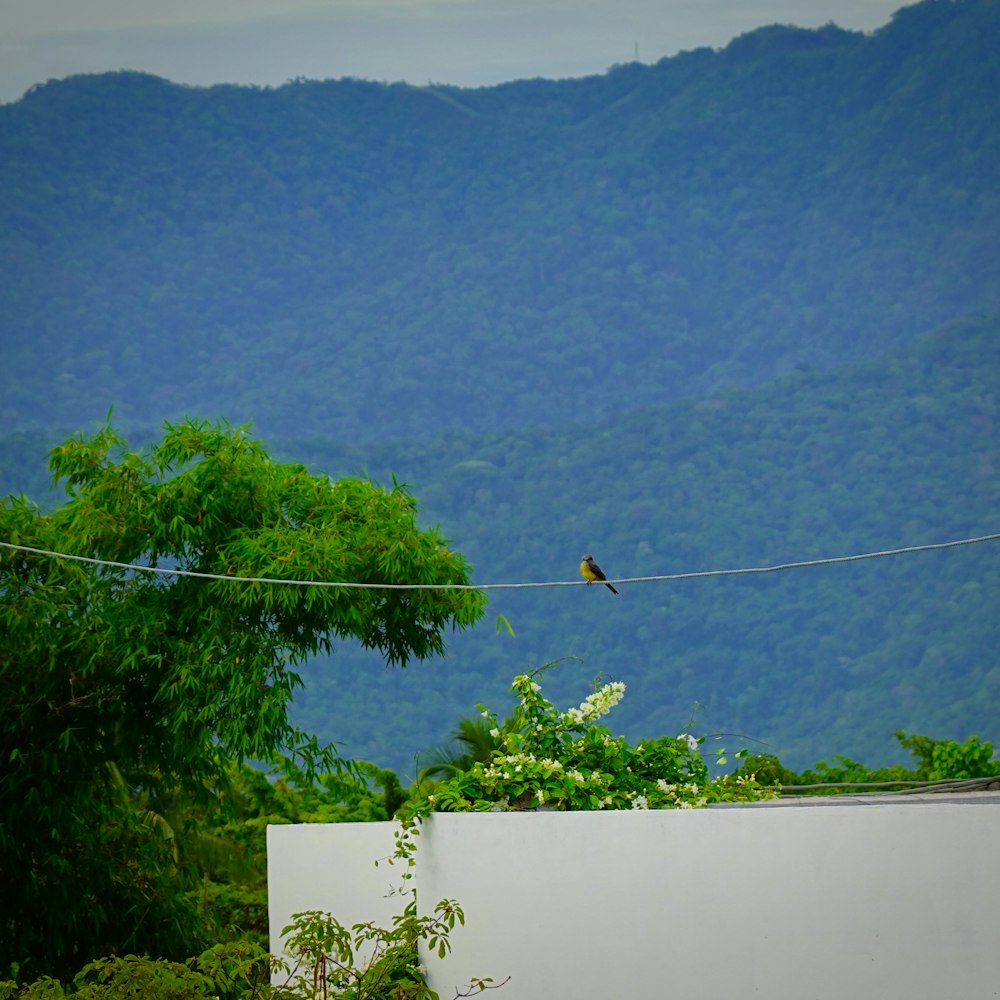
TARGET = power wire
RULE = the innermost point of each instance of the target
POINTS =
(902, 787)
(666, 577)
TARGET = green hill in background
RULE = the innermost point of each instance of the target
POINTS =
(734, 309)
(363, 260)
(898, 451)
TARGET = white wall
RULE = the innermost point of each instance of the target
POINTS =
(329, 867)
(898, 899)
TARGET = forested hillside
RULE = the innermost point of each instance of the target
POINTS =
(359, 260)
(899, 451)
(733, 309)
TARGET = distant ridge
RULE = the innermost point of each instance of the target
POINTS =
(309, 256)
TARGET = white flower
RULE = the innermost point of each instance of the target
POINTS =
(594, 706)
(692, 743)
(640, 802)
(494, 732)
(540, 795)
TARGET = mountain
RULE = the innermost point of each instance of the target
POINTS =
(735, 309)
(893, 452)
(899, 451)
(362, 260)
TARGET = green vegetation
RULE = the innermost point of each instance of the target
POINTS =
(890, 452)
(126, 689)
(736, 309)
(127, 799)
(363, 261)
(532, 303)
(895, 451)
(584, 767)
(937, 760)
(329, 955)
(568, 761)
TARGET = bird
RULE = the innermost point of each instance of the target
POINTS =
(590, 571)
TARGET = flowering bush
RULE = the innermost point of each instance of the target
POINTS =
(567, 760)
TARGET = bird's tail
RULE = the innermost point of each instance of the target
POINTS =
(612, 589)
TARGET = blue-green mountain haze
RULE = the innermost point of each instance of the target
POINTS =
(737, 308)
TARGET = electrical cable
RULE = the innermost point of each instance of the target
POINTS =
(666, 577)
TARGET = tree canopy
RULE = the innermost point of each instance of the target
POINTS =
(117, 681)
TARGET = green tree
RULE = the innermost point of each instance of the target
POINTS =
(160, 681)
(473, 741)
(948, 760)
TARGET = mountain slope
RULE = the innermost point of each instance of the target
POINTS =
(898, 451)
(534, 302)
(369, 261)
(889, 453)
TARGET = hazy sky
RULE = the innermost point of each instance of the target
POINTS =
(465, 42)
